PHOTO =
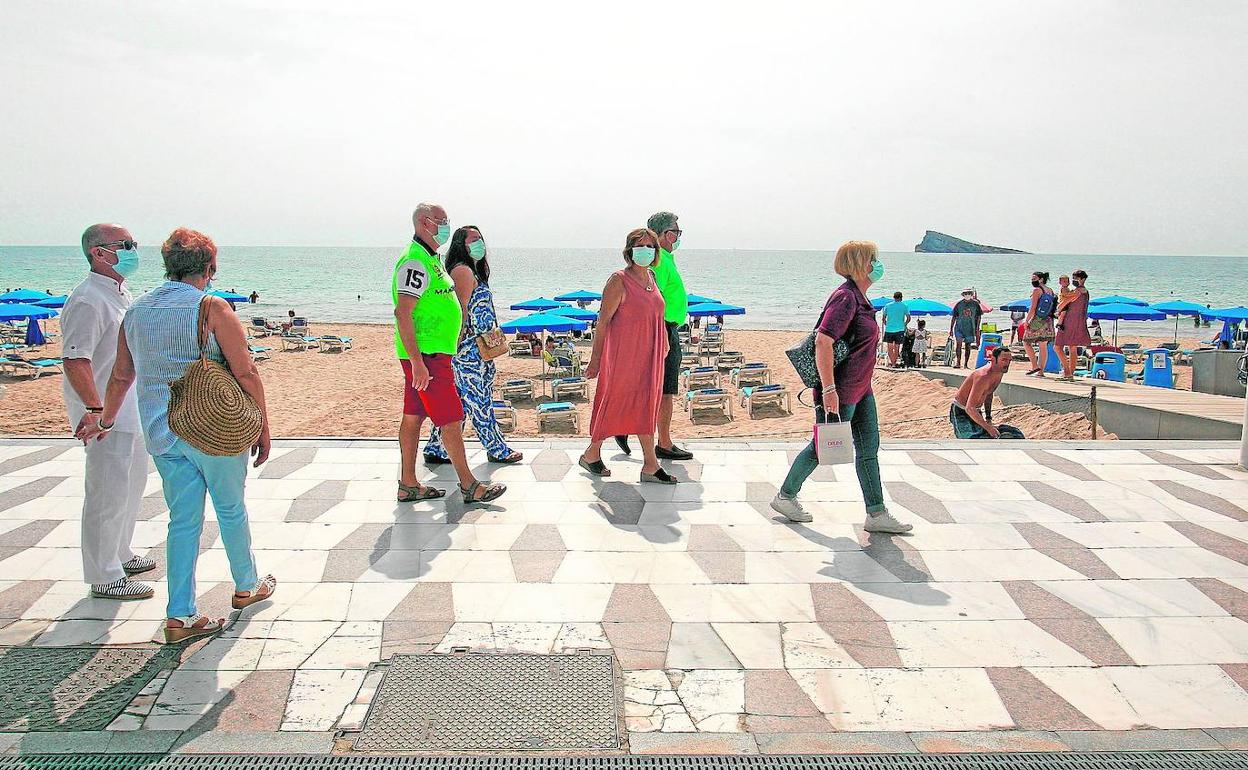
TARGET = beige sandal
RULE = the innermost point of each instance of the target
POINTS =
(263, 590)
(193, 627)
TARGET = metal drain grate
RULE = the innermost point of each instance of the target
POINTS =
(1150, 760)
(50, 689)
(492, 702)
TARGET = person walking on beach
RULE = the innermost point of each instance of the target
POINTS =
(971, 410)
(627, 359)
(896, 319)
(845, 388)
(963, 327)
(1072, 326)
(676, 302)
(474, 376)
(116, 468)
(159, 340)
(1038, 325)
(428, 318)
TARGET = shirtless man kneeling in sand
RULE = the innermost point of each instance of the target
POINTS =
(971, 411)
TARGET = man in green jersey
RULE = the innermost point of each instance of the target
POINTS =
(672, 287)
(428, 318)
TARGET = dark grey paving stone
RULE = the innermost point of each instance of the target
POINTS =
(987, 741)
(620, 512)
(1192, 496)
(1063, 501)
(1138, 740)
(692, 743)
(288, 463)
(1214, 542)
(1058, 463)
(229, 742)
(919, 502)
(86, 742)
(836, 743)
(31, 490)
(27, 535)
(897, 556)
(941, 466)
(143, 741)
(1235, 738)
(31, 458)
(1174, 461)
(15, 600)
(152, 506)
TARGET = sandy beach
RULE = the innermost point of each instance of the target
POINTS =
(357, 394)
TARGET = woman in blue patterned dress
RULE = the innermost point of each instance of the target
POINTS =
(474, 376)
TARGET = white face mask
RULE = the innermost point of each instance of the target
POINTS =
(643, 256)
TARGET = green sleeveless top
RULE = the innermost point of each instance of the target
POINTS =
(437, 314)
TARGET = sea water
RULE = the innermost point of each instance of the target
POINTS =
(779, 289)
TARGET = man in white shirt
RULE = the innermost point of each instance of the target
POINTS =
(116, 465)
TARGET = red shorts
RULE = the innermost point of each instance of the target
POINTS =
(440, 400)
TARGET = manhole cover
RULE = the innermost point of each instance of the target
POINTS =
(50, 689)
(479, 702)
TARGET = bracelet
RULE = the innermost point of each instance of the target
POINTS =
(102, 426)
(95, 410)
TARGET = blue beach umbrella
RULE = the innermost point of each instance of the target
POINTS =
(580, 295)
(228, 296)
(34, 334)
(1020, 305)
(1117, 311)
(579, 314)
(698, 299)
(53, 301)
(18, 311)
(715, 309)
(24, 295)
(1118, 299)
(1232, 314)
(1178, 308)
(879, 302)
(539, 304)
(921, 306)
(543, 322)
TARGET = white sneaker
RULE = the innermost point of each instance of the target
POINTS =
(791, 508)
(886, 523)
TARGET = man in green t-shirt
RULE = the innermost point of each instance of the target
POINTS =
(672, 287)
(428, 318)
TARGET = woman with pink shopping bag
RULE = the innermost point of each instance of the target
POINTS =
(847, 318)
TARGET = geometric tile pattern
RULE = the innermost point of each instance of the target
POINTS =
(1064, 587)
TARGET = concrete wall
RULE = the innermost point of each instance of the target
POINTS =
(1217, 372)
(1127, 421)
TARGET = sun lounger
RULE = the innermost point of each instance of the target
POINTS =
(520, 348)
(296, 342)
(701, 377)
(1134, 351)
(751, 374)
(708, 400)
(689, 359)
(711, 347)
(259, 353)
(570, 387)
(504, 415)
(556, 412)
(20, 367)
(334, 343)
(516, 389)
(300, 325)
(260, 328)
(730, 359)
(767, 395)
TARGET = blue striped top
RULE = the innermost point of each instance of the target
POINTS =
(161, 333)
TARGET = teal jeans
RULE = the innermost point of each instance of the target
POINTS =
(865, 426)
(188, 475)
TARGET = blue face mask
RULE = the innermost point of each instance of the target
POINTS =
(444, 233)
(476, 249)
(675, 244)
(643, 256)
(877, 271)
(127, 262)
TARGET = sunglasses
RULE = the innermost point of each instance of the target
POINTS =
(125, 245)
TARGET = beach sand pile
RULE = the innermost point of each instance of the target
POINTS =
(357, 393)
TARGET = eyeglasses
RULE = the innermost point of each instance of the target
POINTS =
(125, 245)
(676, 230)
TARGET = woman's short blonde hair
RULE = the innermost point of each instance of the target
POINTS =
(854, 258)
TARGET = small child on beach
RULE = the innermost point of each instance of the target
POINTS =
(1065, 296)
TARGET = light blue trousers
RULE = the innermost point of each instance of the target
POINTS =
(188, 474)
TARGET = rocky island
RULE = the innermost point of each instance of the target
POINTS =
(939, 243)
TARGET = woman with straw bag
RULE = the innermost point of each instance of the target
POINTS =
(201, 404)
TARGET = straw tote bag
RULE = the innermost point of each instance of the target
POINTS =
(207, 407)
(491, 343)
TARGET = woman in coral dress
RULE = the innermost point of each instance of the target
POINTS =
(629, 348)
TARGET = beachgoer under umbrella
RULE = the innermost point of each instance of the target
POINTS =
(428, 319)
(627, 360)
(847, 316)
(1072, 326)
(1016, 319)
(971, 410)
(963, 325)
(466, 261)
(160, 338)
(896, 318)
(1038, 326)
(116, 467)
(675, 313)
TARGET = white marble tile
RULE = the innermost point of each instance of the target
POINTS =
(531, 602)
(988, 510)
(318, 698)
(1134, 598)
(755, 645)
(1115, 534)
(901, 699)
(345, 652)
(964, 537)
(773, 603)
(714, 700)
(1180, 640)
(980, 644)
(946, 566)
(1180, 697)
(938, 601)
(807, 645)
(1144, 563)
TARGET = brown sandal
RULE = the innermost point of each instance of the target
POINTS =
(263, 590)
(191, 628)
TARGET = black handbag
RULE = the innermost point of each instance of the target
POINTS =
(802, 355)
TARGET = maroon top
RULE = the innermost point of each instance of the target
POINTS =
(848, 315)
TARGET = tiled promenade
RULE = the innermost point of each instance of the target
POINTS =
(1051, 596)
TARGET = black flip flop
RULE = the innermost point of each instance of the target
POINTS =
(597, 467)
(512, 460)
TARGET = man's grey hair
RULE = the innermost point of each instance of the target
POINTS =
(662, 222)
(423, 210)
(95, 235)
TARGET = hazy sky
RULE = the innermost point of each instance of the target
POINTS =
(1080, 126)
